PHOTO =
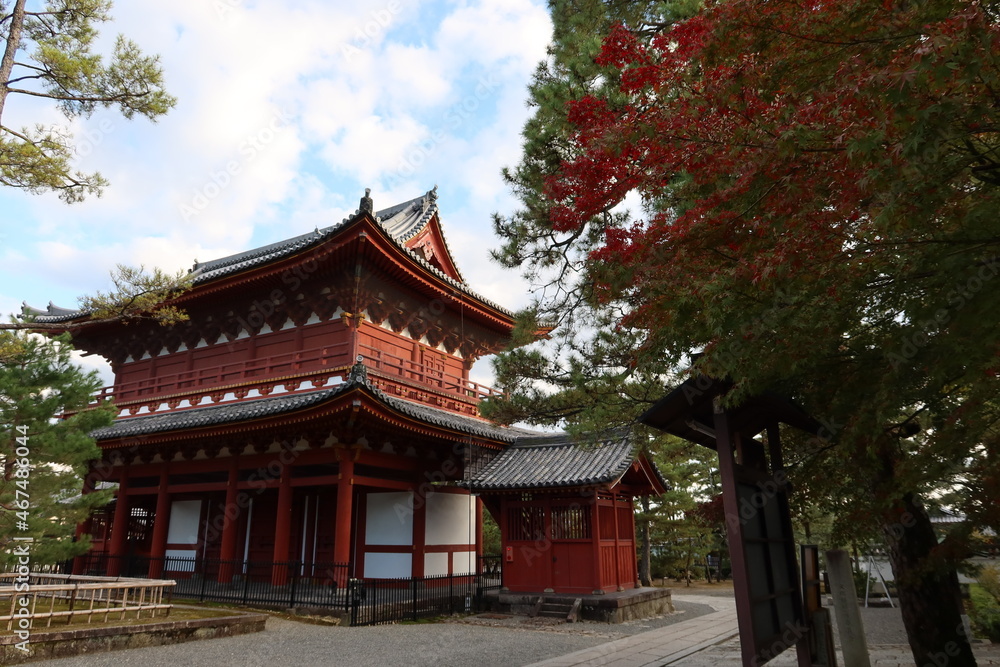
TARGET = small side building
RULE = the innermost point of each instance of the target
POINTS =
(567, 523)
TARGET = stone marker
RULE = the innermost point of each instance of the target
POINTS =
(845, 602)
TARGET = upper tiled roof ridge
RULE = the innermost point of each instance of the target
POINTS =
(213, 264)
(399, 231)
(591, 438)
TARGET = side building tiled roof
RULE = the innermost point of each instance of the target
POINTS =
(246, 410)
(534, 462)
(400, 222)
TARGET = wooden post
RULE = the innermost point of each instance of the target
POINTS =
(734, 530)
(231, 515)
(479, 530)
(282, 528)
(419, 534)
(161, 521)
(119, 525)
(618, 532)
(345, 509)
(595, 533)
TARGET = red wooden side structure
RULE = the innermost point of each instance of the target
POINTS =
(566, 514)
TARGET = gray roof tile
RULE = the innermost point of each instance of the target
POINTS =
(400, 223)
(534, 462)
(245, 410)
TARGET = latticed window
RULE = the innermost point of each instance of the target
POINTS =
(571, 523)
(525, 523)
(140, 526)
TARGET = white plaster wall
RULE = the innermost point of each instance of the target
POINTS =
(435, 564)
(451, 519)
(389, 519)
(388, 566)
(464, 562)
(184, 518)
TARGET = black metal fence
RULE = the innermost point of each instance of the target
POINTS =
(306, 585)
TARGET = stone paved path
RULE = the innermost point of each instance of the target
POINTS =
(663, 646)
(712, 641)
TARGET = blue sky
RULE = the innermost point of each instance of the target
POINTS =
(287, 111)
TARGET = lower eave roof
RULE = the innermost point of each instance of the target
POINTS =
(242, 411)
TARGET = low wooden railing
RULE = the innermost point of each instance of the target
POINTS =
(294, 371)
(100, 598)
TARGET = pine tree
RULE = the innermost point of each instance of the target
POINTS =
(48, 53)
(815, 188)
(44, 453)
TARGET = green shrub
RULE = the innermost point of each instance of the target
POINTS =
(862, 582)
(989, 579)
(984, 611)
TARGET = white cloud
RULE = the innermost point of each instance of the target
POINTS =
(396, 96)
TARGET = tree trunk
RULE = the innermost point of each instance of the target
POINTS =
(13, 44)
(645, 567)
(929, 596)
(690, 555)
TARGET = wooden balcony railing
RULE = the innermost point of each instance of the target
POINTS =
(309, 369)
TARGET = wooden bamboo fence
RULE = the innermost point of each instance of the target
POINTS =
(103, 598)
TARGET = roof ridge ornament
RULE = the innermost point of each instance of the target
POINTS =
(359, 374)
(367, 205)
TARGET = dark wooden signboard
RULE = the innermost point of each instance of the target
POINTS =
(755, 499)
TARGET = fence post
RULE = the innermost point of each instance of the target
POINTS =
(347, 588)
(246, 581)
(295, 580)
(204, 579)
(451, 593)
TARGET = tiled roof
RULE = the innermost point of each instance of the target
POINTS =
(236, 411)
(245, 410)
(400, 222)
(557, 461)
(52, 314)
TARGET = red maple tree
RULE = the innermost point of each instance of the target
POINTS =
(822, 183)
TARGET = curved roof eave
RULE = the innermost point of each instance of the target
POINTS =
(273, 406)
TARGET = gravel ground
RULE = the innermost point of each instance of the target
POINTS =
(456, 642)
(292, 643)
(685, 611)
